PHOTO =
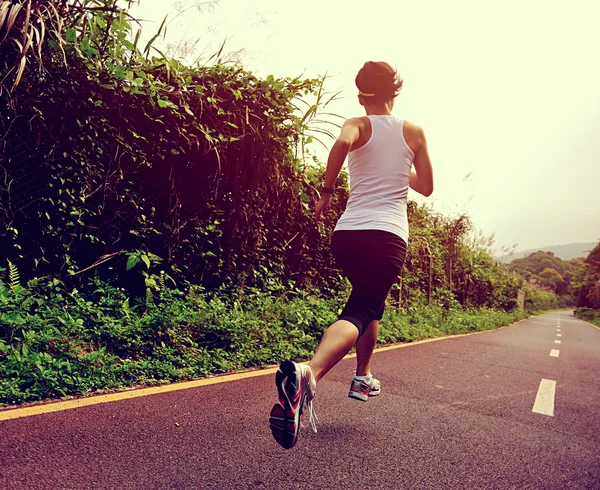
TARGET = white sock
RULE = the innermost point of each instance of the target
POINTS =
(363, 378)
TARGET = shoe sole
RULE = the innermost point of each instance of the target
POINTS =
(358, 396)
(363, 397)
(284, 420)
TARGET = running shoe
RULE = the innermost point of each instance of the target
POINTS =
(363, 389)
(296, 388)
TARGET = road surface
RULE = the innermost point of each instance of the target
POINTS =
(511, 408)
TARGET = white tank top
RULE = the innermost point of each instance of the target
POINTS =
(379, 180)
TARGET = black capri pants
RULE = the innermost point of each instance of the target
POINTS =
(372, 261)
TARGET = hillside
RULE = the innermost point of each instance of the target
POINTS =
(564, 252)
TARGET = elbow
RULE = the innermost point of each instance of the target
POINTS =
(426, 189)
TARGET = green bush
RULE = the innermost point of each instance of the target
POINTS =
(55, 342)
(137, 163)
(591, 315)
(539, 300)
(432, 321)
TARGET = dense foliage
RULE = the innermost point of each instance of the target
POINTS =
(136, 160)
(447, 267)
(547, 270)
(574, 282)
(586, 283)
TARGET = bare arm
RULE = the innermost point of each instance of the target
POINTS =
(421, 175)
(337, 155)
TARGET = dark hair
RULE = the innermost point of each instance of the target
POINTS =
(380, 79)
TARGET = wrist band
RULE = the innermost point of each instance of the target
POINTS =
(327, 190)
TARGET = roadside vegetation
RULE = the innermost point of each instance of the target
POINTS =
(551, 276)
(56, 343)
(590, 315)
(586, 286)
(562, 283)
(156, 224)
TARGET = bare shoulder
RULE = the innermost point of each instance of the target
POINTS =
(362, 128)
(356, 121)
(413, 129)
(413, 135)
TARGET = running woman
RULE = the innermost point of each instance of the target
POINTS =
(386, 156)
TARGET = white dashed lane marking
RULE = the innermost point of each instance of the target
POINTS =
(554, 353)
(557, 341)
(544, 400)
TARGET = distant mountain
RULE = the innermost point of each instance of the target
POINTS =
(563, 252)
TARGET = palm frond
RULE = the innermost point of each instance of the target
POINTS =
(8, 17)
(25, 25)
(154, 38)
(319, 140)
(321, 131)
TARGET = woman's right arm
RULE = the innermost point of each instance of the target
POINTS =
(339, 151)
(421, 175)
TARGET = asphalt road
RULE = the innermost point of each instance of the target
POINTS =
(453, 414)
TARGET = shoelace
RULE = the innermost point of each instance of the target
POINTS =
(312, 415)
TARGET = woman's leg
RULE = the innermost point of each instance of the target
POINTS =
(335, 344)
(364, 348)
(360, 256)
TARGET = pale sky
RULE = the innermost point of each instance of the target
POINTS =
(508, 93)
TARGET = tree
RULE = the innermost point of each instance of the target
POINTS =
(551, 278)
(548, 272)
(586, 282)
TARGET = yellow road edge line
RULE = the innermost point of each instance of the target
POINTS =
(15, 413)
(126, 395)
